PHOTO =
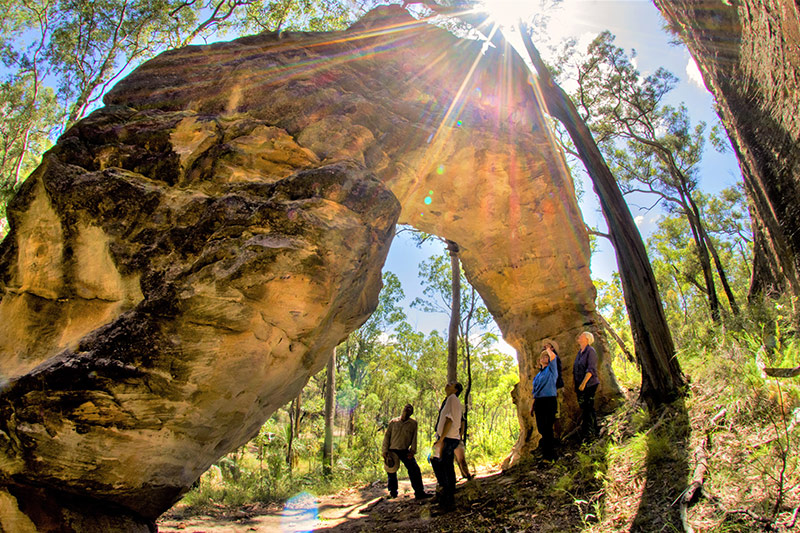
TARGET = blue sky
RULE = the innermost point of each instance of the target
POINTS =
(637, 25)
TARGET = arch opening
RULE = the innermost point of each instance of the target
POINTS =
(236, 203)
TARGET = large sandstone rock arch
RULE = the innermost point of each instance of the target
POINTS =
(187, 256)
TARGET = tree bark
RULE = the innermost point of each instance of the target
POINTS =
(766, 278)
(455, 313)
(294, 430)
(330, 396)
(662, 380)
(749, 55)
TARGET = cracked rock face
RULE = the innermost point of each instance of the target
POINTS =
(187, 256)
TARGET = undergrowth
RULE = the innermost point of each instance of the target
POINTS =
(744, 426)
(740, 423)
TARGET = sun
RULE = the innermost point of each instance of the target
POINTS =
(509, 13)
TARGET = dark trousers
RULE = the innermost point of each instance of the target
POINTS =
(545, 411)
(445, 471)
(588, 415)
(414, 475)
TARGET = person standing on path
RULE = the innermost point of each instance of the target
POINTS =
(584, 374)
(400, 443)
(448, 429)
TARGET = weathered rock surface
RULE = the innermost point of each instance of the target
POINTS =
(186, 257)
(749, 55)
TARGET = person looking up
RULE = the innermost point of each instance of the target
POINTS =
(401, 441)
(544, 401)
(448, 431)
(584, 374)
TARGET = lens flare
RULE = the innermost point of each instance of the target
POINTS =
(299, 514)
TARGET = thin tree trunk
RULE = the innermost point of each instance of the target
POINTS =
(468, 358)
(294, 430)
(705, 265)
(621, 343)
(715, 256)
(455, 313)
(290, 439)
(297, 413)
(467, 392)
(662, 380)
(330, 395)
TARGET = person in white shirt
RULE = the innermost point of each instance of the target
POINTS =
(448, 432)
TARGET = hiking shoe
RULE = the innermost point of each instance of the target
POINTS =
(423, 496)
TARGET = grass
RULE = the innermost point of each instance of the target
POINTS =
(632, 477)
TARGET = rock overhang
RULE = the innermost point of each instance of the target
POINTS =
(235, 203)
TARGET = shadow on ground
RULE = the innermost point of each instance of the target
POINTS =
(534, 495)
(667, 470)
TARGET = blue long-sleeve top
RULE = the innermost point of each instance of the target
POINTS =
(544, 383)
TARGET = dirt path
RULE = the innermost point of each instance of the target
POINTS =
(347, 510)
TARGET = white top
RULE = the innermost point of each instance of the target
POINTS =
(452, 409)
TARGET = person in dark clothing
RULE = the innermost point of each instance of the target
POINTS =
(401, 439)
(544, 401)
(448, 436)
(584, 374)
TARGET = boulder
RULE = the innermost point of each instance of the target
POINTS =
(186, 257)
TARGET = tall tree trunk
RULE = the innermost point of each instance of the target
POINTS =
(749, 55)
(662, 380)
(455, 313)
(330, 396)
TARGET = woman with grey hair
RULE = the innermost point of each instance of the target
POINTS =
(584, 374)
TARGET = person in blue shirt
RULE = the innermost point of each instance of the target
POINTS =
(544, 401)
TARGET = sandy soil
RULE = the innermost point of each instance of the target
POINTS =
(343, 511)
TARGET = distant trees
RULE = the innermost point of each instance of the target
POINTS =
(671, 248)
(651, 147)
(362, 347)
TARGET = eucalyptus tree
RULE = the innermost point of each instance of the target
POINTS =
(651, 147)
(662, 379)
(437, 275)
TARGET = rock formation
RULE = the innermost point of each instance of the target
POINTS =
(749, 55)
(187, 256)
